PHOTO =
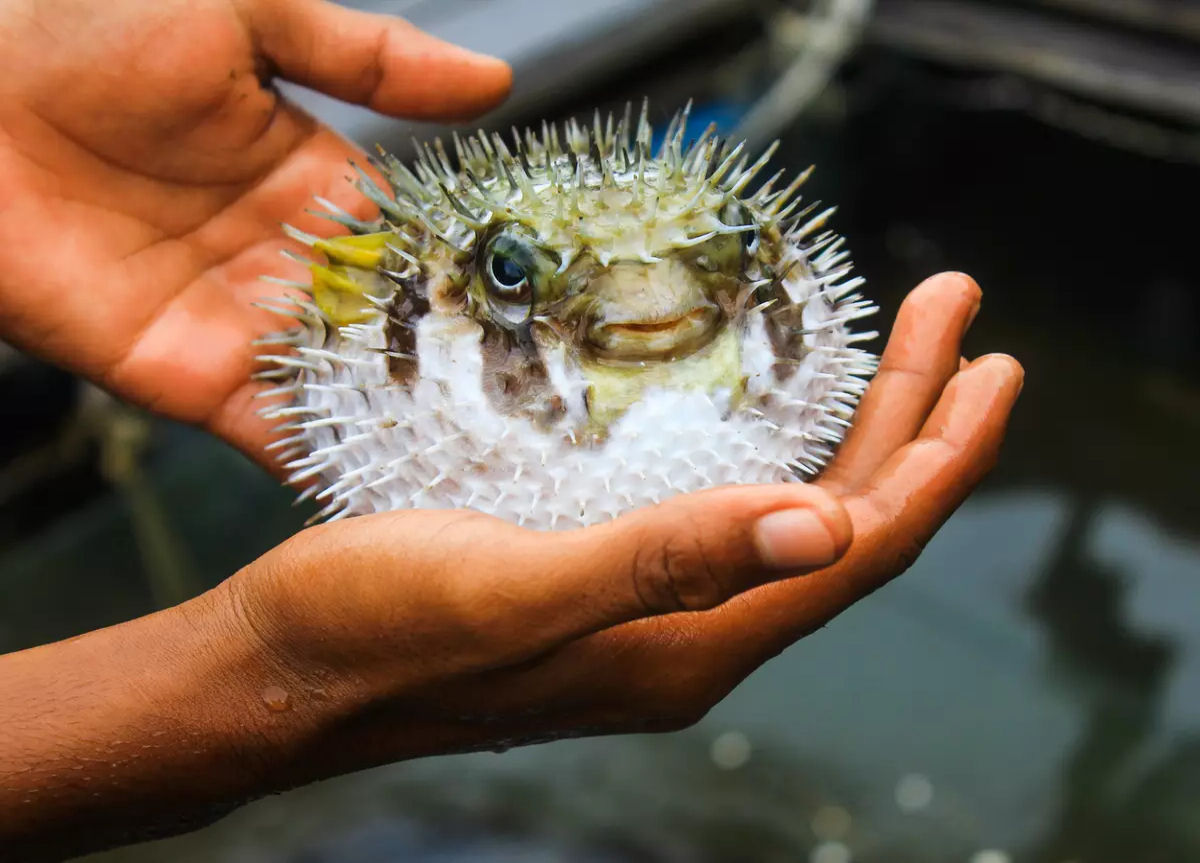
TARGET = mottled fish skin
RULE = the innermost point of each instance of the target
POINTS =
(404, 312)
(562, 328)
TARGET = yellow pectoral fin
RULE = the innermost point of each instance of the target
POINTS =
(362, 250)
(340, 296)
(612, 389)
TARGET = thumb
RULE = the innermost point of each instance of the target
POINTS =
(690, 553)
(379, 61)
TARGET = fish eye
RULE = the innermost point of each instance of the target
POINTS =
(507, 277)
(507, 271)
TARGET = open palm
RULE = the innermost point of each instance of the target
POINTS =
(146, 163)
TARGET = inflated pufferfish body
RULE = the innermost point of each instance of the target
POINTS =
(567, 328)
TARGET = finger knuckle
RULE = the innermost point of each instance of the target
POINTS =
(374, 71)
(678, 573)
(908, 550)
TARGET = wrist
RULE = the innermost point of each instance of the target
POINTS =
(278, 706)
(188, 691)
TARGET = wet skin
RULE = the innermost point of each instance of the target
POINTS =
(156, 185)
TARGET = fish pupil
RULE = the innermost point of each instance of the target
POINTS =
(506, 272)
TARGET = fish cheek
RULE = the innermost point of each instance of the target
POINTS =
(515, 379)
(409, 304)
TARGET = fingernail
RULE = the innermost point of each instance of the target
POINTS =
(972, 286)
(794, 539)
(1011, 363)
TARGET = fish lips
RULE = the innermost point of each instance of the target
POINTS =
(665, 338)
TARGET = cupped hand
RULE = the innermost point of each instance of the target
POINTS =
(416, 633)
(445, 631)
(146, 163)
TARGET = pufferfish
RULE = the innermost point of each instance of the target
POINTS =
(566, 327)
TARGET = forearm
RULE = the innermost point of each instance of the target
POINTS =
(144, 728)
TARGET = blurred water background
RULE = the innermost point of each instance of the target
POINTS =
(1029, 691)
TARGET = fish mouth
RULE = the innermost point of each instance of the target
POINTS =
(660, 339)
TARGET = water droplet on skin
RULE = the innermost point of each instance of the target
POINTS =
(276, 699)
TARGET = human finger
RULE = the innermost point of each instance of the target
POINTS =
(899, 509)
(667, 671)
(690, 553)
(921, 356)
(376, 60)
(471, 592)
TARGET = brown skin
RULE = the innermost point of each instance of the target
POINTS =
(400, 634)
(144, 171)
